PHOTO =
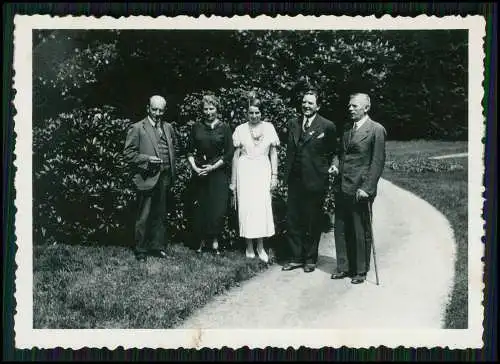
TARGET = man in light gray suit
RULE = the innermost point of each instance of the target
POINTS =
(150, 151)
(361, 162)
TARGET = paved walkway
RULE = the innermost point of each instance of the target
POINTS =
(415, 255)
(456, 155)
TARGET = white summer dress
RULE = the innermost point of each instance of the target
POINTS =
(253, 180)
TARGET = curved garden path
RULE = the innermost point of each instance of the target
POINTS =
(415, 255)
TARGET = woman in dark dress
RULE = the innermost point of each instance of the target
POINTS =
(210, 152)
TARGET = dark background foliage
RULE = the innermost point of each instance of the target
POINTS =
(89, 85)
(417, 79)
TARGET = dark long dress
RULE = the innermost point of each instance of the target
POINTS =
(210, 193)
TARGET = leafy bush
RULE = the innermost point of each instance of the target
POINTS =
(83, 191)
(420, 165)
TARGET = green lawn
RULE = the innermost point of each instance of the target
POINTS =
(444, 185)
(105, 287)
(423, 149)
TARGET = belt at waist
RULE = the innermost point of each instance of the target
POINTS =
(249, 156)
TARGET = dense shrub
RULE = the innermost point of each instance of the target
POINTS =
(82, 187)
(420, 165)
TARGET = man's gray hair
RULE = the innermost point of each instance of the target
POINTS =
(363, 96)
(157, 98)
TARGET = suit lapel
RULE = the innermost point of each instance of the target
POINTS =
(361, 133)
(296, 130)
(169, 142)
(347, 138)
(151, 134)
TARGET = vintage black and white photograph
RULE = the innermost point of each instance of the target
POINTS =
(209, 182)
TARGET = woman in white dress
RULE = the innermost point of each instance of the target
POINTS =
(254, 176)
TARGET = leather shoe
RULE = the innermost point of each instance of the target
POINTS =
(358, 278)
(309, 268)
(291, 266)
(339, 275)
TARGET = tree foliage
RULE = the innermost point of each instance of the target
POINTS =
(417, 79)
(426, 95)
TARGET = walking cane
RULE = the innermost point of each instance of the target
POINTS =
(373, 243)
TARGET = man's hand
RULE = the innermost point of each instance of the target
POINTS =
(333, 170)
(361, 195)
(154, 163)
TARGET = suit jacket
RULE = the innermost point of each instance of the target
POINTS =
(362, 158)
(318, 150)
(140, 144)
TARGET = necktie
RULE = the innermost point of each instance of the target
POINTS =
(353, 130)
(306, 124)
(157, 129)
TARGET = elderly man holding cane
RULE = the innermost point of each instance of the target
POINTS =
(361, 162)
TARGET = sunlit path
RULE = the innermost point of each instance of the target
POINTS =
(415, 255)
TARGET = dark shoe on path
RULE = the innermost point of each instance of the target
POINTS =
(291, 266)
(339, 275)
(309, 268)
(358, 278)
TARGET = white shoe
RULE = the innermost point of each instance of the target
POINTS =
(250, 254)
(263, 256)
(215, 247)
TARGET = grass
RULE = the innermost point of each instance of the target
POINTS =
(446, 188)
(99, 287)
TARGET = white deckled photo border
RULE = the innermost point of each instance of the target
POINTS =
(26, 337)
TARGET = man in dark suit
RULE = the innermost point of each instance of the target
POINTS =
(362, 158)
(150, 151)
(311, 147)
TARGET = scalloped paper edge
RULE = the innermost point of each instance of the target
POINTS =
(27, 338)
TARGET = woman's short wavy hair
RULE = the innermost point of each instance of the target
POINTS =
(255, 102)
(211, 100)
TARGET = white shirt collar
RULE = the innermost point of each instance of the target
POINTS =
(151, 121)
(307, 121)
(360, 122)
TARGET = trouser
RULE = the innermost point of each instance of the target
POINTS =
(150, 223)
(353, 234)
(304, 223)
